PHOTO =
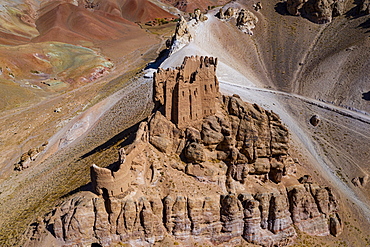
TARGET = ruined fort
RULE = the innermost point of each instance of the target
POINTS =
(187, 93)
(202, 169)
(116, 180)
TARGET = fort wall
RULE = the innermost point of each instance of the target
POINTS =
(113, 182)
(188, 93)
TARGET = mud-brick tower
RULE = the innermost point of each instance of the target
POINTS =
(188, 93)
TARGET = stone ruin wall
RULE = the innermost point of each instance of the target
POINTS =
(116, 180)
(188, 93)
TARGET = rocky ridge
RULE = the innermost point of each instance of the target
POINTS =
(182, 34)
(181, 37)
(227, 177)
(245, 19)
(221, 190)
(28, 157)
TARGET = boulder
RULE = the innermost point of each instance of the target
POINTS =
(257, 6)
(361, 180)
(336, 227)
(199, 16)
(30, 156)
(260, 167)
(276, 171)
(315, 120)
(230, 12)
(194, 153)
(305, 179)
(163, 134)
(220, 14)
(246, 21)
(211, 131)
(294, 6)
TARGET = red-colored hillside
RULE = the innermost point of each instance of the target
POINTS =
(133, 10)
(69, 23)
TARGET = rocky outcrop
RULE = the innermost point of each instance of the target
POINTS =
(198, 16)
(229, 13)
(245, 20)
(262, 218)
(294, 7)
(182, 36)
(364, 7)
(28, 157)
(361, 180)
(318, 11)
(257, 6)
(226, 177)
(312, 207)
(267, 219)
(89, 219)
(315, 120)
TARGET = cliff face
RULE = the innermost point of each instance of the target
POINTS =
(227, 178)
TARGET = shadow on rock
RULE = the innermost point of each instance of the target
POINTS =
(365, 25)
(86, 187)
(281, 8)
(356, 11)
(127, 136)
(366, 96)
(163, 55)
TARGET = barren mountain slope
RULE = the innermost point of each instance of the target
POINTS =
(327, 62)
(290, 54)
(133, 10)
(35, 70)
(38, 69)
(74, 24)
(297, 55)
(40, 96)
(18, 21)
